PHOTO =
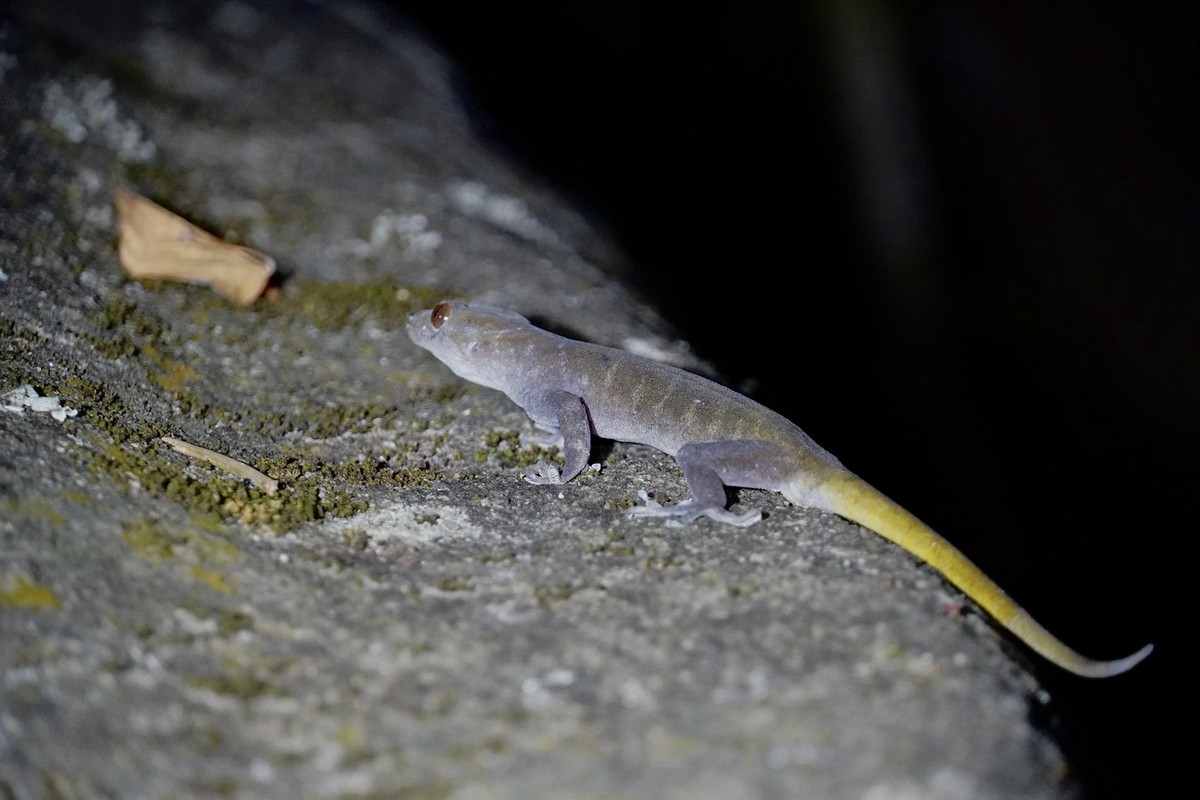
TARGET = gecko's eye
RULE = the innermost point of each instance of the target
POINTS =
(439, 315)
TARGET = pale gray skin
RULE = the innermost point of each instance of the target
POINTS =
(719, 438)
(578, 390)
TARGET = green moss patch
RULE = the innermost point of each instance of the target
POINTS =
(159, 543)
(334, 305)
(127, 448)
(17, 591)
(311, 490)
(505, 447)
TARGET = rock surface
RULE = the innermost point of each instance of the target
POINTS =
(406, 617)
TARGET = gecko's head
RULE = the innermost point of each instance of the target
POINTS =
(465, 337)
(461, 321)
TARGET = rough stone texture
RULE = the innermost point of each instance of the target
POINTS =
(407, 618)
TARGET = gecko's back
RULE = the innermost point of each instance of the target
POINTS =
(631, 398)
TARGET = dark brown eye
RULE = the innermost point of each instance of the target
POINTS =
(439, 315)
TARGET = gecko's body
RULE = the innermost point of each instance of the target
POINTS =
(719, 438)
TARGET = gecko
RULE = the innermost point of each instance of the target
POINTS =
(720, 438)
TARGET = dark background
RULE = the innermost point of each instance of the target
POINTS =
(957, 245)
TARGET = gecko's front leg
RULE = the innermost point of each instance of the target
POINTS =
(566, 414)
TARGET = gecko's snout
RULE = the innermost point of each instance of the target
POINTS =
(415, 324)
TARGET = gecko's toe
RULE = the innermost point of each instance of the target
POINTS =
(543, 472)
(678, 514)
(729, 518)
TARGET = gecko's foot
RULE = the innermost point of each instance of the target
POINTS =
(543, 472)
(689, 511)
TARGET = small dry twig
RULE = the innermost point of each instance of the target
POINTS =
(264, 482)
(157, 244)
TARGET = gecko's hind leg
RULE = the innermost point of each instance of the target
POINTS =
(689, 511)
(708, 467)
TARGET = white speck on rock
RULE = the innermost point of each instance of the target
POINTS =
(25, 396)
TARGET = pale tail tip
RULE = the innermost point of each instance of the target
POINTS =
(1107, 669)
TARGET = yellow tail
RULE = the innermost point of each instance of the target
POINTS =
(853, 498)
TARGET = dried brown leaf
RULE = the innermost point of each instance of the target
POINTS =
(159, 245)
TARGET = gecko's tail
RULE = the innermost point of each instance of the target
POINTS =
(853, 498)
(1028, 630)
